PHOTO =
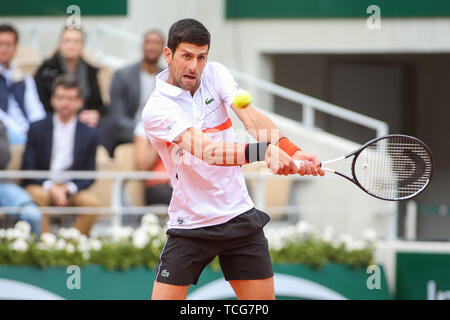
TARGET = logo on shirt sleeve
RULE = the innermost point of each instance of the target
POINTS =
(166, 124)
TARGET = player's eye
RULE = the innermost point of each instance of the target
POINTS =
(186, 56)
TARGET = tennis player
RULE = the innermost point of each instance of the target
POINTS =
(211, 213)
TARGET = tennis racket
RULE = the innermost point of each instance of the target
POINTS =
(393, 167)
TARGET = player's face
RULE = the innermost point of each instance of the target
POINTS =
(186, 65)
(8, 47)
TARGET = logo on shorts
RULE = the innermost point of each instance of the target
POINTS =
(180, 220)
(164, 273)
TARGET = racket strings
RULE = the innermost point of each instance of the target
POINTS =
(394, 168)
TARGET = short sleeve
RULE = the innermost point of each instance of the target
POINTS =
(163, 121)
(139, 130)
(224, 83)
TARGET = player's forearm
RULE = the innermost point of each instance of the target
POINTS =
(224, 154)
(261, 127)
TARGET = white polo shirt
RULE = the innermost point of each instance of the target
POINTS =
(203, 195)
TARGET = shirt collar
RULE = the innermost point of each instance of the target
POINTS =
(12, 74)
(57, 123)
(168, 89)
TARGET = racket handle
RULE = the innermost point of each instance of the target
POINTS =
(297, 163)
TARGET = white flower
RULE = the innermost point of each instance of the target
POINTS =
(24, 227)
(62, 233)
(48, 239)
(70, 248)
(117, 233)
(302, 227)
(343, 239)
(356, 245)
(140, 238)
(19, 245)
(82, 238)
(327, 234)
(95, 244)
(85, 255)
(2, 233)
(369, 235)
(149, 219)
(84, 246)
(152, 230)
(276, 238)
(12, 234)
(74, 234)
(61, 244)
(69, 234)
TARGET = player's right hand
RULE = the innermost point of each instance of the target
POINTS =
(279, 162)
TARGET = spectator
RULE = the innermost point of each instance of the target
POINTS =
(12, 195)
(130, 89)
(147, 158)
(61, 142)
(68, 60)
(19, 101)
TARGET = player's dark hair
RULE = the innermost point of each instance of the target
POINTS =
(190, 31)
(9, 28)
(68, 81)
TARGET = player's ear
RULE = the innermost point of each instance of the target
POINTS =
(167, 54)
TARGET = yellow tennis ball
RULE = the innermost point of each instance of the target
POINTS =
(242, 99)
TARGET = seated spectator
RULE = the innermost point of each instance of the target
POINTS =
(68, 60)
(19, 101)
(60, 142)
(12, 195)
(147, 158)
(130, 89)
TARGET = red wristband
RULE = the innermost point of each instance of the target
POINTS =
(287, 146)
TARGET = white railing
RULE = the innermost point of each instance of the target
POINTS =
(311, 104)
(117, 208)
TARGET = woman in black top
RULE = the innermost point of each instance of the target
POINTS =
(68, 59)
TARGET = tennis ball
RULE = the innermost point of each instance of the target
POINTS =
(242, 99)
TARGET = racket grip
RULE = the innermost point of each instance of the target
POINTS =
(298, 162)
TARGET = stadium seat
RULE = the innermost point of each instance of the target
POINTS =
(27, 59)
(124, 159)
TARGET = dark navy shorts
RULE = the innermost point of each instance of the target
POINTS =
(240, 243)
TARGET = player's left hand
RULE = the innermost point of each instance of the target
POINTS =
(309, 164)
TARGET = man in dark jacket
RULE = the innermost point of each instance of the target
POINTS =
(60, 142)
(131, 86)
(68, 60)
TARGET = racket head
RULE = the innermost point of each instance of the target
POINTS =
(393, 167)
